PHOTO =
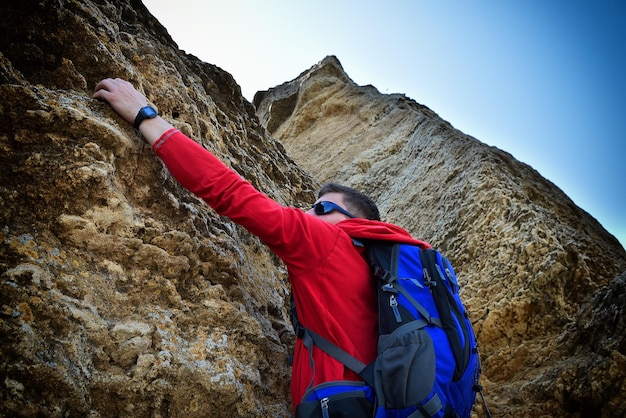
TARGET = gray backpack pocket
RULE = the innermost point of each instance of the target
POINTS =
(405, 369)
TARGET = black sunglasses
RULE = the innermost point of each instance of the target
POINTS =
(324, 207)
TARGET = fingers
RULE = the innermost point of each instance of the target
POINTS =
(100, 94)
(112, 85)
(105, 89)
(121, 95)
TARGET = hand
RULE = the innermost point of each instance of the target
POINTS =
(122, 97)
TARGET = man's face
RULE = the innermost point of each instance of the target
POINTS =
(333, 216)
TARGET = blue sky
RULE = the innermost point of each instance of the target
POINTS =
(544, 80)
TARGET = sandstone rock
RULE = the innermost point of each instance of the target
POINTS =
(122, 294)
(532, 264)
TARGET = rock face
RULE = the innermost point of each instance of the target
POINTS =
(539, 274)
(124, 295)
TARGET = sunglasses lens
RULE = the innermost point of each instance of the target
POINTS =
(320, 208)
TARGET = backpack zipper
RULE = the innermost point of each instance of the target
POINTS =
(393, 300)
(324, 405)
(428, 281)
(325, 402)
(443, 277)
(454, 284)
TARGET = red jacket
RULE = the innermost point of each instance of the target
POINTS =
(330, 279)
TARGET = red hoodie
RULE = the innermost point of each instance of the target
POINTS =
(330, 279)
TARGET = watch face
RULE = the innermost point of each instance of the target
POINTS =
(149, 112)
(146, 112)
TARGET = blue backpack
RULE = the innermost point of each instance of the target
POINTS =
(427, 363)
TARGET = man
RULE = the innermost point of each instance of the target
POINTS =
(334, 293)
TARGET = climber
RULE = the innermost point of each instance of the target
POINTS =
(330, 279)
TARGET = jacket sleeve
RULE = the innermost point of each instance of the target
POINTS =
(293, 235)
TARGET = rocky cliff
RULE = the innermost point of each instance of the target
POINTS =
(124, 295)
(539, 274)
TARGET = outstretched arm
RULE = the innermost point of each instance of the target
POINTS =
(126, 101)
(299, 239)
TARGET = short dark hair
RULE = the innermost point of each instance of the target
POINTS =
(359, 204)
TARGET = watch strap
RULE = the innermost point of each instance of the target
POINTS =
(146, 112)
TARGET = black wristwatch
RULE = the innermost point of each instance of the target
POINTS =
(146, 112)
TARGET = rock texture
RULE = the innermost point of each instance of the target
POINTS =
(539, 274)
(123, 295)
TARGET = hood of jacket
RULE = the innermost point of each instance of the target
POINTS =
(365, 229)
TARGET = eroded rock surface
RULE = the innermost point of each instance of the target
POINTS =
(122, 294)
(538, 273)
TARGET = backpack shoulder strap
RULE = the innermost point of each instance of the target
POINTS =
(311, 338)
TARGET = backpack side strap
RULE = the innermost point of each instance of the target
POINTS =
(366, 371)
(429, 409)
(450, 314)
(311, 337)
(385, 340)
(429, 319)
